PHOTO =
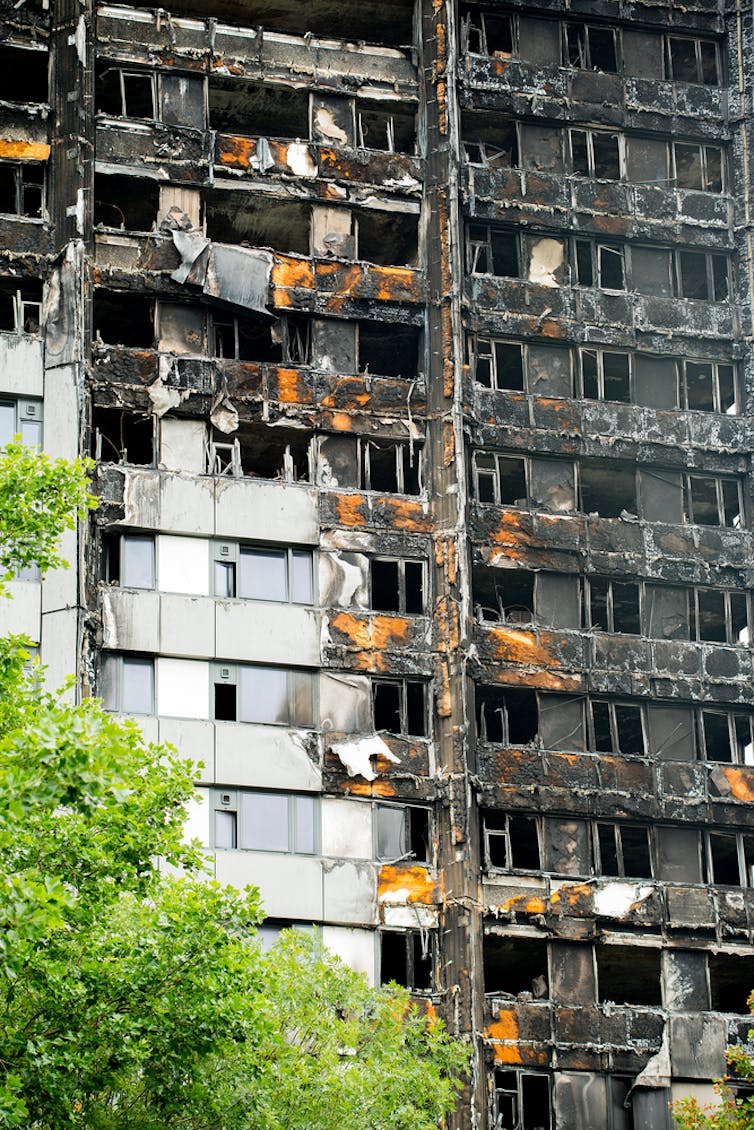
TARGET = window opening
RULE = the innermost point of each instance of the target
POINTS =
(400, 706)
(506, 716)
(397, 585)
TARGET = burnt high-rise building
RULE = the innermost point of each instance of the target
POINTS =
(413, 342)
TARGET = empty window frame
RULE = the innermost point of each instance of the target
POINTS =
(119, 436)
(700, 275)
(591, 47)
(522, 1100)
(397, 584)
(503, 596)
(699, 167)
(500, 479)
(399, 706)
(264, 572)
(617, 727)
(506, 715)
(629, 975)
(622, 850)
(598, 154)
(614, 606)
(23, 74)
(713, 500)
(725, 735)
(22, 190)
(710, 386)
(408, 957)
(391, 128)
(605, 374)
(493, 251)
(388, 349)
(242, 338)
(280, 696)
(488, 33)
(123, 318)
(128, 684)
(130, 561)
(721, 616)
(729, 859)
(491, 141)
(20, 306)
(126, 93)
(607, 490)
(20, 418)
(402, 832)
(599, 264)
(390, 467)
(497, 364)
(510, 842)
(692, 60)
(266, 821)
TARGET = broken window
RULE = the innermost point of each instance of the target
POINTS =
(629, 975)
(521, 1100)
(488, 33)
(721, 616)
(515, 965)
(614, 606)
(700, 275)
(506, 715)
(599, 264)
(247, 337)
(130, 561)
(20, 305)
(407, 957)
(242, 218)
(390, 126)
(123, 318)
(617, 727)
(590, 47)
(22, 190)
(490, 140)
(622, 851)
(399, 706)
(510, 842)
(698, 167)
(388, 349)
(503, 596)
(125, 94)
(125, 203)
(607, 490)
(500, 479)
(263, 572)
(23, 74)
(605, 375)
(666, 613)
(402, 832)
(711, 500)
(729, 859)
(261, 451)
(390, 467)
(493, 251)
(597, 154)
(127, 683)
(497, 364)
(23, 418)
(692, 60)
(266, 821)
(725, 735)
(389, 239)
(710, 386)
(119, 436)
(280, 696)
(258, 110)
(397, 585)
(731, 976)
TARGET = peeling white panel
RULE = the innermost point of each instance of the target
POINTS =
(259, 632)
(182, 688)
(356, 948)
(182, 445)
(21, 370)
(266, 511)
(345, 702)
(350, 892)
(615, 900)
(183, 565)
(130, 619)
(300, 161)
(22, 613)
(347, 829)
(546, 259)
(187, 504)
(194, 739)
(290, 885)
(410, 917)
(343, 580)
(356, 756)
(269, 757)
(187, 200)
(187, 625)
(197, 818)
(141, 499)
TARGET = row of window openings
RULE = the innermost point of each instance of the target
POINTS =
(248, 820)
(269, 695)
(512, 842)
(23, 190)
(513, 717)
(596, 47)
(597, 154)
(252, 572)
(523, 1100)
(605, 605)
(608, 374)
(656, 272)
(563, 486)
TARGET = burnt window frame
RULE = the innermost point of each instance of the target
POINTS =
(490, 156)
(504, 834)
(497, 456)
(712, 278)
(475, 353)
(124, 72)
(425, 938)
(18, 169)
(717, 398)
(25, 310)
(360, 114)
(478, 246)
(719, 481)
(600, 352)
(403, 450)
(589, 136)
(618, 828)
(596, 249)
(730, 714)
(585, 29)
(401, 562)
(745, 867)
(481, 709)
(611, 704)
(667, 56)
(730, 635)
(401, 682)
(702, 147)
(230, 674)
(410, 814)
(609, 627)
(481, 31)
(518, 1105)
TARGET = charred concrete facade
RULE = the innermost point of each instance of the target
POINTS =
(414, 349)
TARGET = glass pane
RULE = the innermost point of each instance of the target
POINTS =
(225, 829)
(716, 736)
(225, 579)
(708, 59)
(137, 562)
(263, 693)
(688, 167)
(589, 372)
(264, 822)
(699, 393)
(744, 748)
(137, 693)
(616, 376)
(303, 698)
(7, 423)
(704, 502)
(391, 832)
(304, 809)
(683, 60)
(262, 574)
(302, 588)
(630, 732)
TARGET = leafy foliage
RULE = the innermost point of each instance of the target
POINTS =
(733, 1113)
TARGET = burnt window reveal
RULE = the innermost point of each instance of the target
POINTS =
(402, 832)
(515, 965)
(397, 585)
(22, 190)
(614, 606)
(258, 110)
(622, 850)
(713, 500)
(125, 93)
(730, 976)
(493, 251)
(506, 715)
(700, 275)
(590, 47)
(242, 218)
(400, 706)
(599, 264)
(388, 349)
(123, 318)
(125, 203)
(729, 859)
(408, 959)
(617, 727)
(503, 596)
(389, 126)
(607, 490)
(692, 60)
(710, 386)
(23, 74)
(20, 305)
(628, 975)
(389, 239)
(488, 33)
(698, 167)
(605, 375)
(500, 479)
(119, 436)
(510, 842)
(522, 1100)
(390, 467)
(597, 154)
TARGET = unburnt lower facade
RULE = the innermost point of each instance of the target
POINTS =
(413, 345)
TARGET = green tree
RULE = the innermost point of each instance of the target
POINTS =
(134, 994)
(732, 1113)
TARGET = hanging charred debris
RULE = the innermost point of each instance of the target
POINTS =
(413, 344)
